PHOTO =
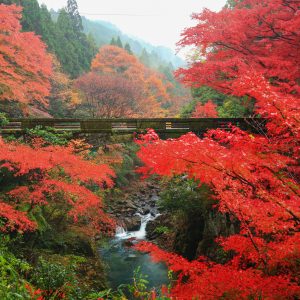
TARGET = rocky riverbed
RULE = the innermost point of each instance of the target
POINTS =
(189, 236)
(136, 201)
(134, 209)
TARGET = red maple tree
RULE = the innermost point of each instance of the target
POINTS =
(255, 178)
(207, 110)
(48, 171)
(256, 35)
(25, 66)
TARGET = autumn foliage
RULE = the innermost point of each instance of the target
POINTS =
(51, 173)
(148, 85)
(254, 177)
(207, 110)
(25, 66)
(261, 36)
(108, 95)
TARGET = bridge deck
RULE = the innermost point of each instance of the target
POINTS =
(125, 126)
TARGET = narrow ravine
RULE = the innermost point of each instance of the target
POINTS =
(122, 260)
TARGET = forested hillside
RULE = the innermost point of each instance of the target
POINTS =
(209, 215)
(103, 32)
(73, 43)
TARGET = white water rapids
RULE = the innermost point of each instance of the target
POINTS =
(140, 234)
(123, 260)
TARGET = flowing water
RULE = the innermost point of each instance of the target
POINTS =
(123, 260)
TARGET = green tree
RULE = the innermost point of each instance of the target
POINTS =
(75, 50)
(128, 48)
(167, 70)
(228, 106)
(66, 51)
(31, 19)
(113, 42)
(119, 42)
(145, 58)
(202, 94)
(48, 29)
(65, 37)
(72, 10)
(234, 107)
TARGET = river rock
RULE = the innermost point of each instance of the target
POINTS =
(131, 205)
(131, 257)
(154, 197)
(133, 223)
(146, 211)
(129, 242)
(151, 232)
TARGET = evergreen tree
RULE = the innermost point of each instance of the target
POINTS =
(31, 19)
(48, 29)
(67, 51)
(72, 10)
(167, 70)
(128, 48)
(65, 37)
(145, 58)
(113, 42)
(75, 50)
(119, 42)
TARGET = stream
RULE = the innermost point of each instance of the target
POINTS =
(122, 260)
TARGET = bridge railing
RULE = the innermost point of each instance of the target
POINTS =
(161, 125)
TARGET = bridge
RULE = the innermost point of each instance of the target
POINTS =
(166, 127)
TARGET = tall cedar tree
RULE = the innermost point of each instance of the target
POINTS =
(64, 38)
(250, 49)
(72, 9)
(75, 50)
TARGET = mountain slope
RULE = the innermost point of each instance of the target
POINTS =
(103, 32)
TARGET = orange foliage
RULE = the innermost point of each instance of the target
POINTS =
(25, 66)
(52, 171)
(153, 91)
(62, 86)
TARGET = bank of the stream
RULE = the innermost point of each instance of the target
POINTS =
(177, 215)
(123, 261)
(133, 210)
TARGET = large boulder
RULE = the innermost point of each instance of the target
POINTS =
(133, 223)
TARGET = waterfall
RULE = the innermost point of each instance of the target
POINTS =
(120, 232)
(122, 259)
(140, 234)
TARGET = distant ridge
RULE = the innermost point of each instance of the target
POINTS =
(104, 31)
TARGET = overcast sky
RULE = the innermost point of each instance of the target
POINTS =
(159, 22)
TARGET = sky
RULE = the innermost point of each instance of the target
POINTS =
(159, 22)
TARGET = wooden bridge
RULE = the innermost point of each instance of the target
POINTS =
(168, 127)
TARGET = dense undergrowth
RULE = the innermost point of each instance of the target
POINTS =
(52, 215)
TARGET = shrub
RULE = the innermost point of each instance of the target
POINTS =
(50, 135)
(182, 195)
(12, 271)
(56, 280)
